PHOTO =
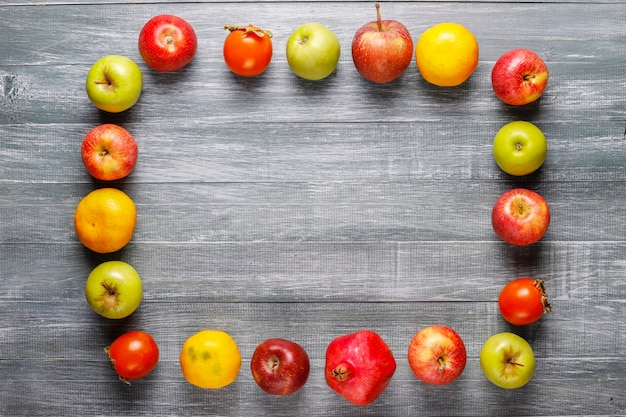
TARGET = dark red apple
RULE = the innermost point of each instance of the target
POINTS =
(520, 217)
(382, 50)
(280, 366)
(167, 43)
(109, 152)
(519, 77)
(437, 355)
(359, 366)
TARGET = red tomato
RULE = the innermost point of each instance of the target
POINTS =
(523, 301)
(133, 355)
(247, 50)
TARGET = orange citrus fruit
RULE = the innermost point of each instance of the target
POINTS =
(105, 220)
(446, 54)
(210, 359)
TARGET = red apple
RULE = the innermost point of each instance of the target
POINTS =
(279, 366)
(167, 43)
(109, 152)
(359, 366)
(519, 77)
(382, 50)
(437, 355)
(520, 217)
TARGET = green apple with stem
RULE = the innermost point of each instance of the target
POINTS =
(313, 51)
(507, 360)
(519, 148)
(114, 83)
(113, 289)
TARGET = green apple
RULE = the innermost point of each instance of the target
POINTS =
(519, 148)
(313, 51)
(507, 360)
(114, 289)
(114, 83)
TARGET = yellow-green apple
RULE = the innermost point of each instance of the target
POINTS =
(167, 43)
(109, 152)
(359, 366)
(113, 289)
(519, 148)
(519, 77)
(280, 366)
(437, 355)
(313, 51)
(520, 217)
(507, 360)
(114, 83)
(382, 50)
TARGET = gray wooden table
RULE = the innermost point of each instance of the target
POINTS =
(276, 207)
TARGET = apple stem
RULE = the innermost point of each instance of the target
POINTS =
(512, 362)
(442, 364)
(342, 372)
(378, 18)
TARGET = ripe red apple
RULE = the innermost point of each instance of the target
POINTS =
(109, 152)
(167, 43)
(520, 217)
(437, 355)
(359, 366)
(382, 49)
(280, 366)
(519, 77)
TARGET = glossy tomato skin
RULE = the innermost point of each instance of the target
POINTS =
(247, 50)
(523, 301)
(133, 355)
(167, 43)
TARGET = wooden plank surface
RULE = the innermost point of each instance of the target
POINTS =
(275, 207)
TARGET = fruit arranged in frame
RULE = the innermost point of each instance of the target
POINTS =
(523, 301)
(446, 54)
(519, 77)
(210, 359)
(507, 360)
(167, 43)
(280, 366)
(247, 50)
(437, 355)
(382, 50)
(313, 51)
(359, 366)
(105, 220)
(114, 83)
(133, 355)
(519, 148)
(109, 152)
(520, 217)
(114, 290)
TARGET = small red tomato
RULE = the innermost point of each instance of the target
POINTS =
(133, 355)
(523, 301)
(247, 50)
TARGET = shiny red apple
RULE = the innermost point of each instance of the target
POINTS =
(382, 49)
(520, 217)
(519, 77)
(280, 366)
(359, 366)
(437, 355)
(109, 152)
(167, 43)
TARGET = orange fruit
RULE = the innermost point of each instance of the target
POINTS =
(210, 359)
(446, 54)
(105, 220)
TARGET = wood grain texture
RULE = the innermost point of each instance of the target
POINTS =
(277, 207)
